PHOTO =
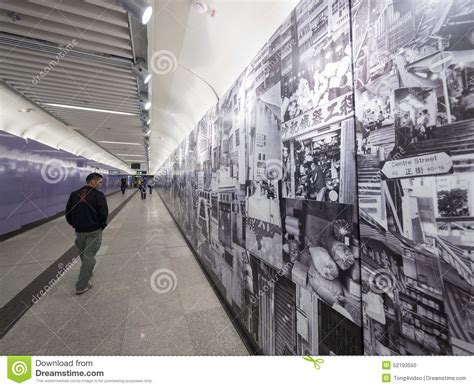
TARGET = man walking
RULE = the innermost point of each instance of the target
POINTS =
(142, 189)
(87, 212)
(123, 185)
(151, 184)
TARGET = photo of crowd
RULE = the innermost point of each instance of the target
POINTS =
(414, 111)
(319, 81)
(316, 168)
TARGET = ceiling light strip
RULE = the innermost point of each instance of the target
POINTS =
(91, 109)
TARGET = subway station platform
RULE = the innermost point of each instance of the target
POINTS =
(313, 177)
(130, 310)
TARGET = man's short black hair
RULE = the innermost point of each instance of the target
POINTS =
(93, 176)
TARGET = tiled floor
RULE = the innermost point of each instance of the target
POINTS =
(128, 311)
(28, 254)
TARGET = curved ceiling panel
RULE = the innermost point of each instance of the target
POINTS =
(209, 53)
(193, 57)
(65, 54)
(21, 118)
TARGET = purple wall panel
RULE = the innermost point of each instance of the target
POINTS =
(12, 169)
(38, 179)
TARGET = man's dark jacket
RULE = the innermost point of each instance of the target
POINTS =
(87, 210)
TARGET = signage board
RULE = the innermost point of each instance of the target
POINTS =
(421, 165)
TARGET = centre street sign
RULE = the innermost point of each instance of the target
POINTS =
(422, 165)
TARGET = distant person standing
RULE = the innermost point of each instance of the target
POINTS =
(151, 184)
(380, 120)
(87, 212)
(405, 131)
(316, 182)
(142, 189)
(467, 104)
(123, 185)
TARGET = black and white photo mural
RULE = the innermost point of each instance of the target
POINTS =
(414, 94)
(329, 194)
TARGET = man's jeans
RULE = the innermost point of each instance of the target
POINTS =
(88, 245)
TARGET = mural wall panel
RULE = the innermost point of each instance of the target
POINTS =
(328, 193)
(413, 98)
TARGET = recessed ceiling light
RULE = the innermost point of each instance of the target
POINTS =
(138, 8)
(147, 15)
(92, 109)
(141, 72)
(25, 110)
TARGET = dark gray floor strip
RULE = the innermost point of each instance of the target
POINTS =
(20, 303)
(251, 346)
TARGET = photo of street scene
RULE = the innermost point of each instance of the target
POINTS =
(413, 77)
